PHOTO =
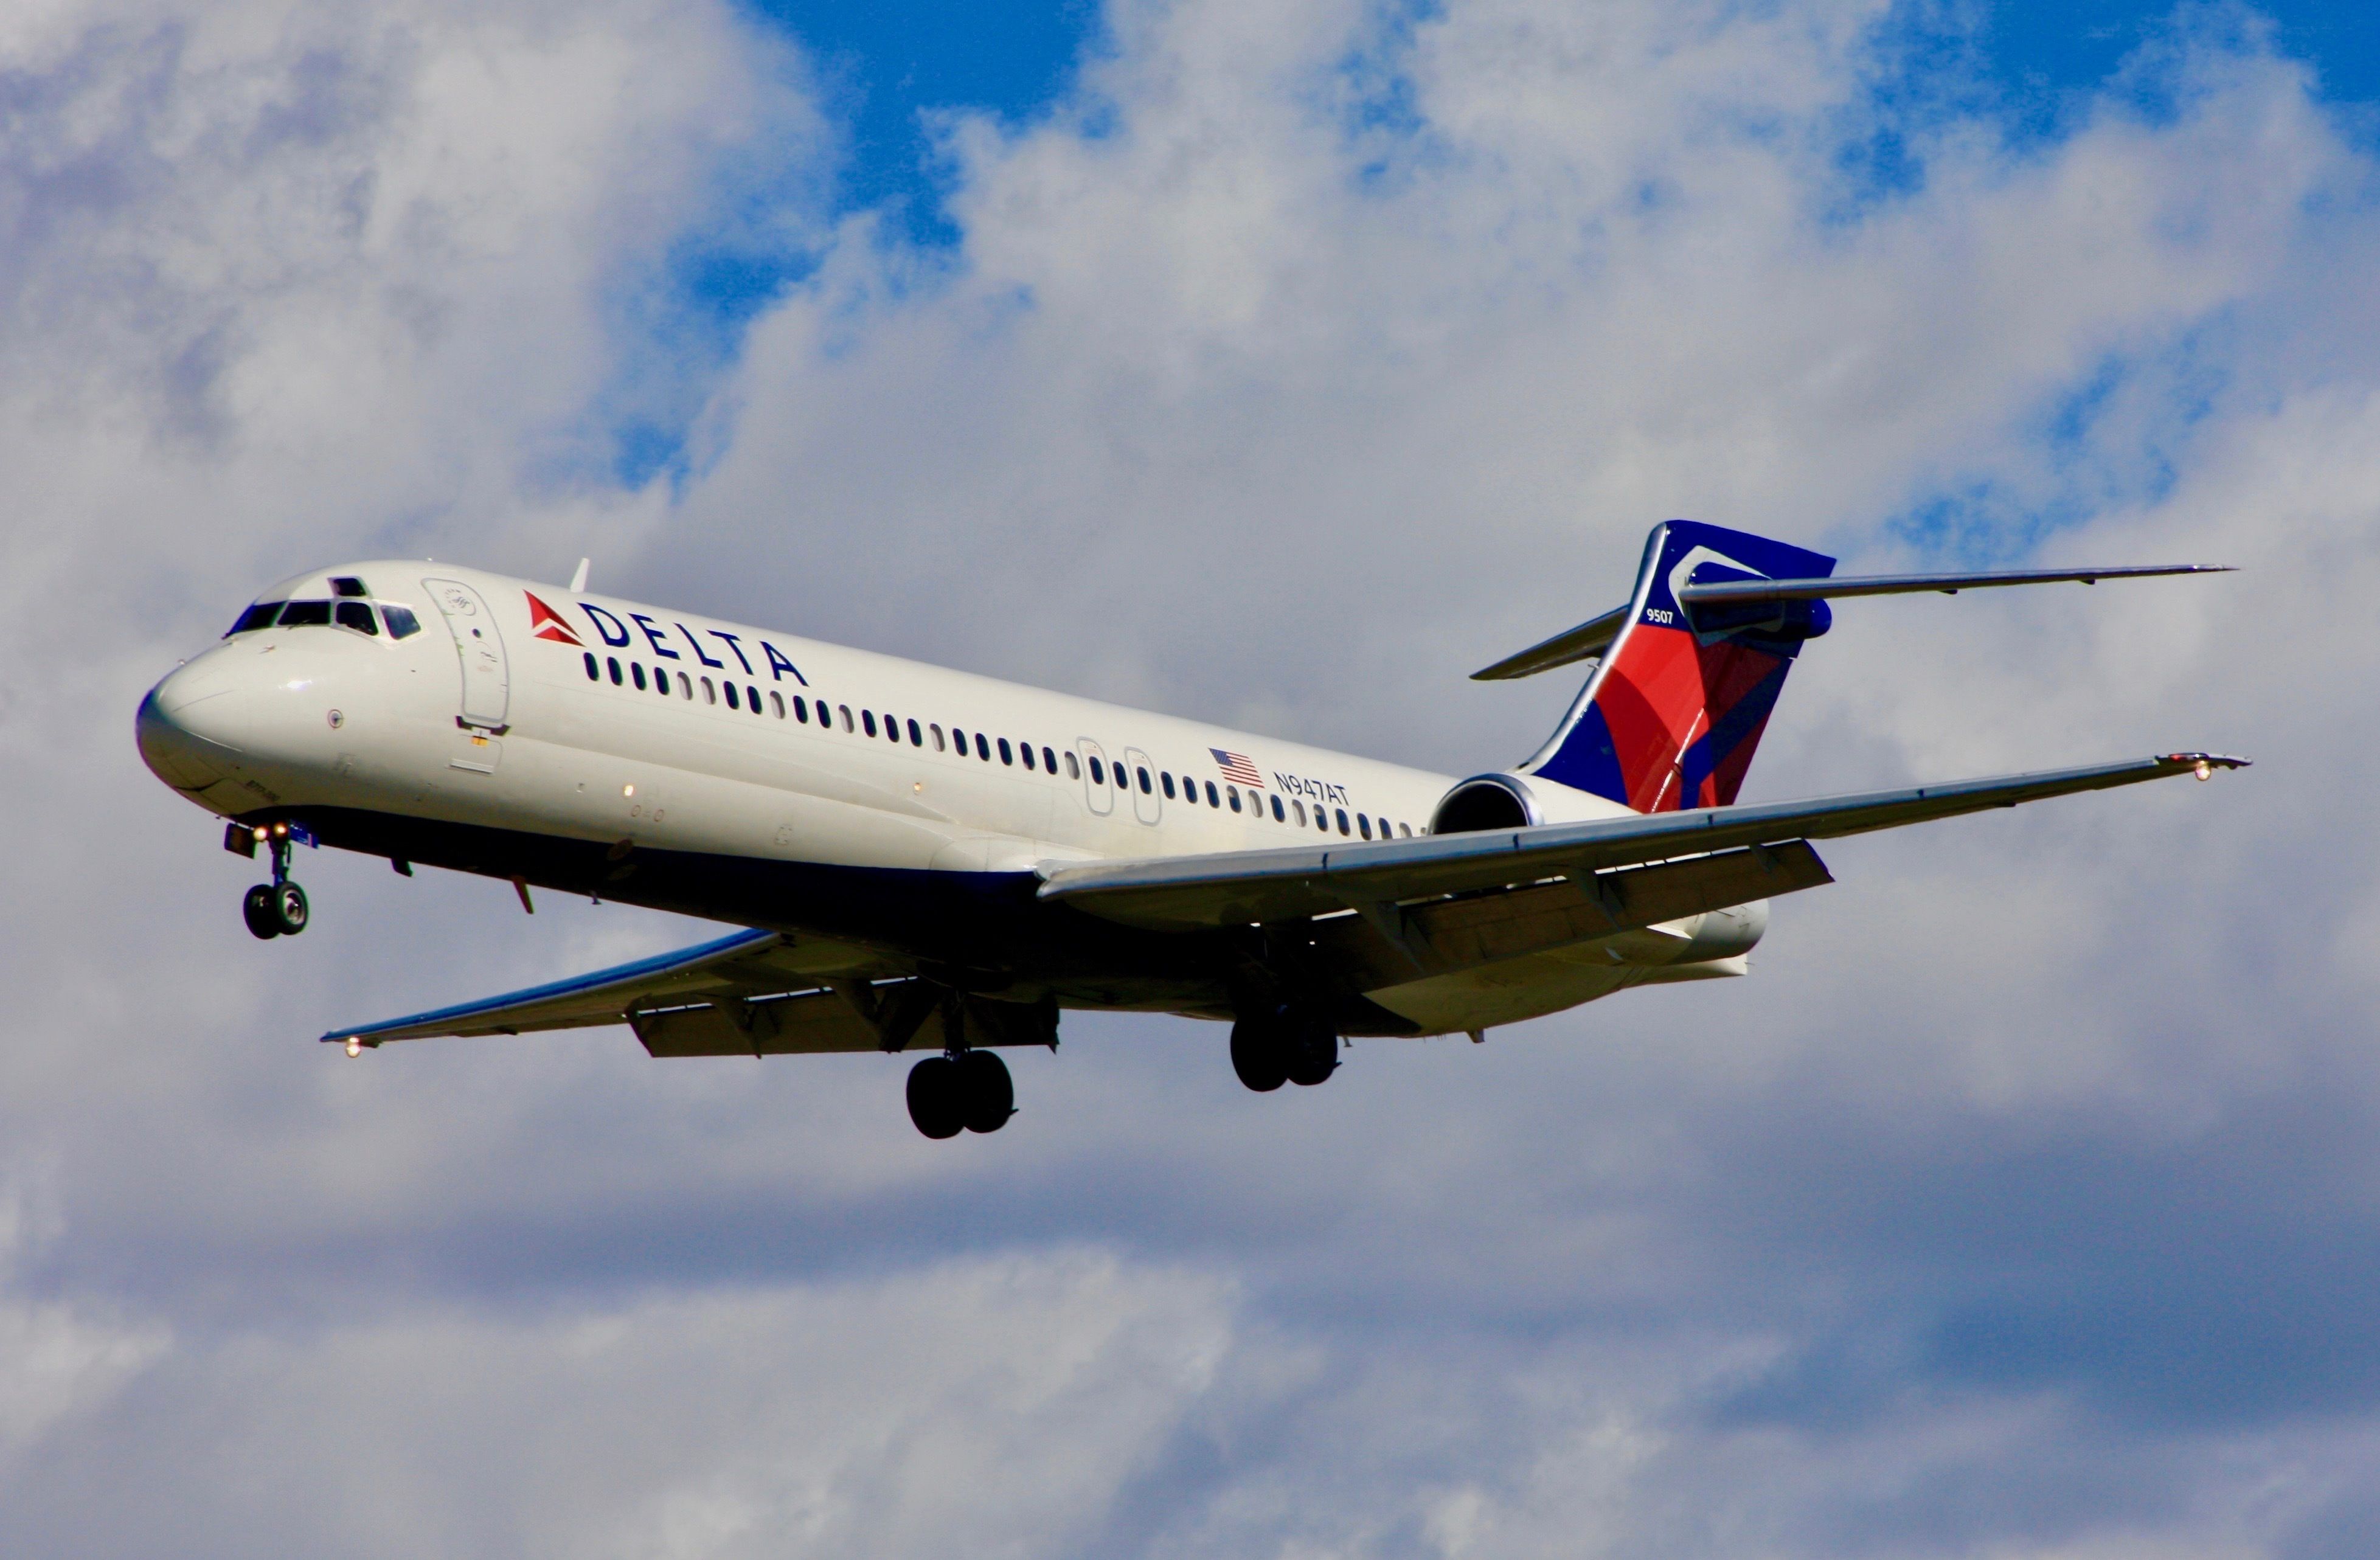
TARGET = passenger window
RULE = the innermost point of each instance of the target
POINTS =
(661, 680)
(257, 616)
(1365, 825)
(937, 730)
(915, 738)
(685, 688)
(1026, 748)
(1343, 822)
(982, 748)
(1074, 769)
(867, 721)
(306, 614)
(1236, 801)
(1143, 781)
(729, 689)
(1005, 756)
(637, 674)
(892, 730)
(845, 710)
(612, 665)
(710, 695)
(1406, 830)
(1212, 800)
(1165, 783)
(1050, 760)
(594, 673)
(402, 623)
(801, 709)
(1299, 809)
(1277, 814)
(348, 585)
(776, 704)
(1099, 775)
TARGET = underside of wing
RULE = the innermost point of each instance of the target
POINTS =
(744, 995)
(1273, 886)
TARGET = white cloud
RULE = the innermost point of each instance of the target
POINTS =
(1303, 359)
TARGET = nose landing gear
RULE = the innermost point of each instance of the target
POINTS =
(278, 908)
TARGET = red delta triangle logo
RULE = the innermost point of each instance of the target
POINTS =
(544, 622)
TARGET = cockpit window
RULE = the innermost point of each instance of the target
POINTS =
(348, 585)
(402, 623)
(358, 616)
(306, 614)
(256, 617)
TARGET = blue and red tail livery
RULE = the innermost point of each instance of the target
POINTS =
(1671, 716)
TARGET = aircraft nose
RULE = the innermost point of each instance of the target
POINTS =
(187, 726)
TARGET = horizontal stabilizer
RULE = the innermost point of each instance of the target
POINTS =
(1243, 887)
(1732, 592)
(1594, 636)
(1588, 639)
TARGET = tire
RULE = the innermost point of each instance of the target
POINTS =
(289, 908)
(936, 1103)
(1256, 1054)
(258, 911)
(990, 1094)
(1310, 1053)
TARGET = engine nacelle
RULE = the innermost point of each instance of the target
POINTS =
(1503, 801)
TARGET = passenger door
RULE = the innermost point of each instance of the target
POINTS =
(1101, 792)
(1145, 802)
(487, 678)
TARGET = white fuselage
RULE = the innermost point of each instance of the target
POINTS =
(487, 718)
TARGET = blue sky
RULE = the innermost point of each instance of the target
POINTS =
(892, 62)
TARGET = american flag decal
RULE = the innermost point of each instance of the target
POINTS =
(1235, 766)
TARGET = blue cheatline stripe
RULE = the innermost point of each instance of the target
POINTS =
(659, 964)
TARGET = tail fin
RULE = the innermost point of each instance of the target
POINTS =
(1672, 714)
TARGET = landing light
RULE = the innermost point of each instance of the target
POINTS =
(261, 833)
(2204, 771)
(628, 790)
(355, 1046)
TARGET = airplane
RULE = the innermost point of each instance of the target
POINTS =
(919, 858)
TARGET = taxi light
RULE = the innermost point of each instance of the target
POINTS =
(2204, 771)
(262, 834)
(355, 1046)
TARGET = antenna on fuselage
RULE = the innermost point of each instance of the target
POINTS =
(578, 580)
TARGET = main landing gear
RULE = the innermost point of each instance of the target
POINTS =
(965, 1090)
(1283, 1046)
(276, 909)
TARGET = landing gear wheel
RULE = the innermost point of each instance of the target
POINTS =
(937, 1098)
(260, 911)
(990, 1095)
(1256, 1054)
(289, 908)
(1310, 1050)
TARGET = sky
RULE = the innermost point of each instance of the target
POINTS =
(1276, 364)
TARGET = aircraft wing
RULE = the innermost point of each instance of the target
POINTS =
(739, 996)
(1242, 888)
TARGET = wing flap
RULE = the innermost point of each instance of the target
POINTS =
(1242, 888)
(1444, 937)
